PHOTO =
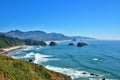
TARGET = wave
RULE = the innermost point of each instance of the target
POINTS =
(38, 48)
(40, 58)
(28, 48)
(100, 79)
(30, 55)
(97, 59)
(93, 68)
(72, 58)
(112, 57)
(15, 57)
(72, 72)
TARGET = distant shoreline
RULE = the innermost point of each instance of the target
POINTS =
(10, 49)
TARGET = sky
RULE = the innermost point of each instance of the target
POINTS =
(92, 18)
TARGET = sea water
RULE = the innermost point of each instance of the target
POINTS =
(99, 57)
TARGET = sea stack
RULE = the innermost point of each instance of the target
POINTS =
(80, 44)
(70, 44)
(52, 43)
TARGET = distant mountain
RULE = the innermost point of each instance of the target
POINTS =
(41, 35)
(80, 37)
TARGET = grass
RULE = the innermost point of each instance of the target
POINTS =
(23, 70)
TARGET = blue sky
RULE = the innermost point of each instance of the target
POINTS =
(92, 18)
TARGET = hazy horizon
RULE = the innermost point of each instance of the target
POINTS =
(89, 18)
(60, 33)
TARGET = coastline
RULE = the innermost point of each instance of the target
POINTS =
(39, 72)
(55, 75)
(7, 50)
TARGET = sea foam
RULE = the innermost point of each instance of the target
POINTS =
(100, 79)
(71, 72)
(15, 57)
(97, 59)
(40, 58)
(28, 48)
(30, 55)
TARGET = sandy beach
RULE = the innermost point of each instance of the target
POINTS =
(7, 50)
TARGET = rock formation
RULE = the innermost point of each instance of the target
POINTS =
(70, 44)
(80, 44)
(52, 43)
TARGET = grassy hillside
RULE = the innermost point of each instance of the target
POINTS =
(12, 69)
(6, 42)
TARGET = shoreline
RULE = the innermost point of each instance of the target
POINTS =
(6, 51)
(32, 67)
(10, 49)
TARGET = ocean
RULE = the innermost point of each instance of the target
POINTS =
(99, 59)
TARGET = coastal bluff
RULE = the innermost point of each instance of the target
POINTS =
(13, 69)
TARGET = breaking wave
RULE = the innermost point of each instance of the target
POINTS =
(40, 58)
(72, 72)
(30, 55)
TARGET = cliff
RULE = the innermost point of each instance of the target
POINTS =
(13, 69)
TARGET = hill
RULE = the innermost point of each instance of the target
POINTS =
(6, 42)
(12, 69)
(41, 35)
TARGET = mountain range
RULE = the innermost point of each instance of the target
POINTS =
(41, 35)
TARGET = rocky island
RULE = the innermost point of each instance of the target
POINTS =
(52, 43)
(80, 44)
(70, 44)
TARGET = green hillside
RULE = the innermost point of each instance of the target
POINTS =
(6, 42)
(12, 69)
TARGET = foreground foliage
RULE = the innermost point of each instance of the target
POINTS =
(12, 69)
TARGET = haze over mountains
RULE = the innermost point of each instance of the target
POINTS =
(41, 35)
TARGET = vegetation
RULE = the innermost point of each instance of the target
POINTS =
(12, 69)
(6, 42)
